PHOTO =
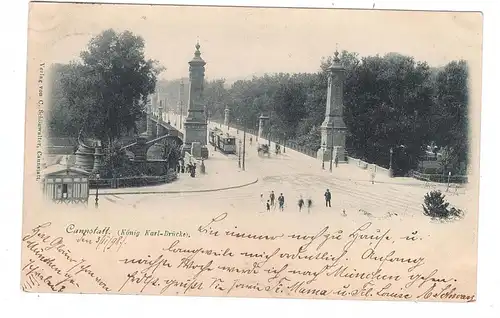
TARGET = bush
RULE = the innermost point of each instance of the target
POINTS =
(436, 207)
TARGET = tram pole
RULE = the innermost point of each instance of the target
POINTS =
(244, 145)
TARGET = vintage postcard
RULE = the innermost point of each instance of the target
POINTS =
(252, 152)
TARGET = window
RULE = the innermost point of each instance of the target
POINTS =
(64, 191)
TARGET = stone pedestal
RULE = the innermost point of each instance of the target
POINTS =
(98, 159)
(196, 150)
(262, 123)
(85, 157)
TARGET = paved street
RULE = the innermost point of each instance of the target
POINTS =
(294, 175)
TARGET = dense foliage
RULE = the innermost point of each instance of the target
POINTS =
(435, 206)
(390, 101)
(105, 93)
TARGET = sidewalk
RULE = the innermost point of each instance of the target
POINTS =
(222, 173)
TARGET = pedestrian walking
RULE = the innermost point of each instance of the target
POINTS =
(268, 206)
(262, 197)
(309, 205)
(272, 197)
(328, 198)
(250, 141)
(336, 160)
(301, 204)
(281, 201)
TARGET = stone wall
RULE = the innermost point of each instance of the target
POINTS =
(367, 166)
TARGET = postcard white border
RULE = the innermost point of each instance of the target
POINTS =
(15, 303)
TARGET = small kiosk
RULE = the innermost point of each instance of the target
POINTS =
(63, 184)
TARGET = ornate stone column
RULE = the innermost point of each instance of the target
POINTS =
(333, 129)
(159, 120)
(262, 123)
(226, 116)
(195, 125)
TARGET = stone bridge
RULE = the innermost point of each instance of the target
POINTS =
(156, 126)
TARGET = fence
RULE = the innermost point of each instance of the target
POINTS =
(139, 181)
(288, 144)
(442, 178)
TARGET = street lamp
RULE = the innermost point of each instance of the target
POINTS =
(331, 151)
(239, 153)
(391, 174)
(448, 186)
(97, 178)
(323, 157)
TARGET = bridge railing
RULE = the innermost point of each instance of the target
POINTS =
(137, 181)
(441, 178)
(292, 144)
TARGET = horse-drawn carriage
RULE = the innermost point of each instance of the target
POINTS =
(263, 150)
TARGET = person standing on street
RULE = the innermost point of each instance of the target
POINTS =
(281, 201)
(336, 161)
(309, 205)
(301, 204)
(272, 197)
(328, 198)
(268, 206)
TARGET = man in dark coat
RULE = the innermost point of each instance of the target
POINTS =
(328, 198)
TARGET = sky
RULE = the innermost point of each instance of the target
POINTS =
(241, 42)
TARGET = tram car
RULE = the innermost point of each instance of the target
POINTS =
(222, 141)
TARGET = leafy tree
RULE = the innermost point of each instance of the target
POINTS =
(435, 206)
(449, 121)
(389, 101)
(106, 92)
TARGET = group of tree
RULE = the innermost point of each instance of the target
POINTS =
(103, 94)
(390, 101)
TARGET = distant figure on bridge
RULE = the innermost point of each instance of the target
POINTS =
(271, 197)
(281, 202)
(301, 203)
(328, 198)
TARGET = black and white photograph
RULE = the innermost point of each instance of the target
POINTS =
(256, 152)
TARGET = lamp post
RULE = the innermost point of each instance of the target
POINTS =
(323, 157)
(331, 151)
(97, 178)
(449, 176)
(391, 174)
(244, 144)
(239, 153)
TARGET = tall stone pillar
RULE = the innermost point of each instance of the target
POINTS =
(262, 123)
(226, 117)
(159, 120)
(333, 129)
(149, 121)
(195, 125)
